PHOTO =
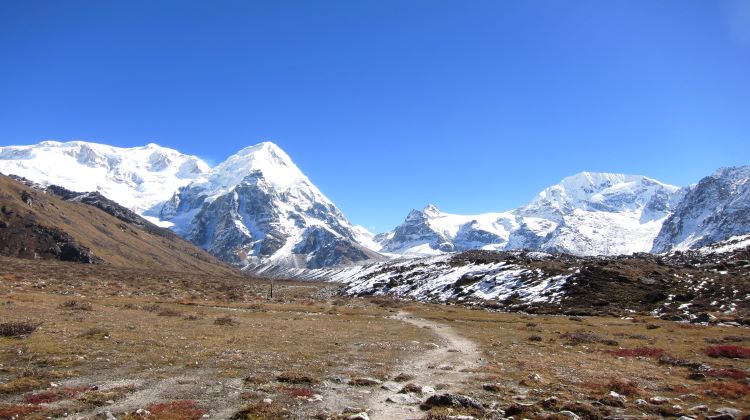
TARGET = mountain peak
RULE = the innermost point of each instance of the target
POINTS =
(431, 210)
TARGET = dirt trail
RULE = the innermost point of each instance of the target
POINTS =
(452, 362)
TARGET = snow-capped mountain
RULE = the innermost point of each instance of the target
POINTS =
(585, 214)
(138, 178)
(714, 209)
(259, 210)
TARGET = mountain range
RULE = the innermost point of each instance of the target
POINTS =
(257, 209)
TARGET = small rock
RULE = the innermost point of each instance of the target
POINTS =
(110, 416)
(658, 400)
(735, 413)
(403, 399)
(492, 387)
(428, 390)
(569, 414)
(445, 366)
(267, 401)
(521, 409)
(315, 398)
(704, 317)
(142, 412)
(697, 376)
(720, 417)
(364, 382)
(699, 408)
(391, 386)
(641, 402)
(535, 377)
(450, 400)
(550, 403)
(685, 418)
(359, 416)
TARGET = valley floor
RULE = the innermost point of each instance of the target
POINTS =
(128, 344)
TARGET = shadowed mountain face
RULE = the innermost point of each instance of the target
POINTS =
(56, 223)
(716, 208)
(258, 210)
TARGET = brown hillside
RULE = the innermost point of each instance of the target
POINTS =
(39, 225)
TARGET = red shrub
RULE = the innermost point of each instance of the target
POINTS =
(301, 392)
(728, 373)
(734, 352)
(176, 410)
(637, 352)
(728, 390)
(52, 395)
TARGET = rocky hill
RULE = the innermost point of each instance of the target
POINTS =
(37, 223)
(695, 285)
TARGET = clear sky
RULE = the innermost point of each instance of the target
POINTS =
(390, 105)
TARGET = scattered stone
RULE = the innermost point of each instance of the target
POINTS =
(428, 390)
(685, 418)
(391, 386)
(658, 400)
(403, 399)
(569, 414)
(720, 417)
(267, 401)
(359, 416)
(445, 366)
(450, 400)
(110, 416)
(735, 413)
(614, 400)
(703, 318)
(699, 408)
(364, 382)
(550, 403)
(535, 377)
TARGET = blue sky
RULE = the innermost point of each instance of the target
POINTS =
(389, 105)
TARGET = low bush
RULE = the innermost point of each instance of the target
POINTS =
(225, 320)
(176, 410)
(623, 386)
(638, 352)
(76, 305)
(17, 329)
(728, 390)
(729, 351)
(53, 395)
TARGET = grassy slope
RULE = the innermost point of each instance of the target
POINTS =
(115, 242)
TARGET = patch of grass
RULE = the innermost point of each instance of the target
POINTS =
(14, 411)
(169, 312)
(21, 384)
(76, 305)
(225, 320)
(95, 332)
(296, 378)
(301, 392)
(17, 329)
(587, 337)
(728, 351)
(261, 411)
